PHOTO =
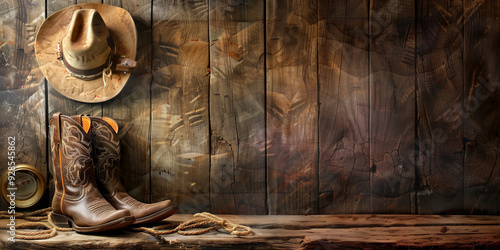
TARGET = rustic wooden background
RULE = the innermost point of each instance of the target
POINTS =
(287, 107)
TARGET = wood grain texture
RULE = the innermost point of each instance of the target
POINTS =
(440, 115)
(455, 237)
(180, 153)
(22, 88)
(300, 232)
(344, 177)
(237, 109)
(89, 1)
(132, 108)
(292, 110)
(481, 118)
(392, 106)
(299, 222)
(362, 106)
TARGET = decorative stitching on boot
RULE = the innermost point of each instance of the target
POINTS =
(108, 152)
(52, 130)
(100, 208)
(77, 150)
(134, 203)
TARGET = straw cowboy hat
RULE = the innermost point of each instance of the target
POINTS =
(86, 51)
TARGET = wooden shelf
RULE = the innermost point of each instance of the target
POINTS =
(300, 232)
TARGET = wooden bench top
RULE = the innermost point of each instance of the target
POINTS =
(299, 232)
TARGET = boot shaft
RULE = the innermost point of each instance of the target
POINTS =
(106, 144)
(71, 148)
(106, 154)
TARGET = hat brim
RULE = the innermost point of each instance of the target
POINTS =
(121, 27)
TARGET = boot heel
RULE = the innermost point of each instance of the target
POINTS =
(61, 220)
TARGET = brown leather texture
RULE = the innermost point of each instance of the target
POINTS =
(107, 163)
(76, 193)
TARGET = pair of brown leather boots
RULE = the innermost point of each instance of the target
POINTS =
(89, 195)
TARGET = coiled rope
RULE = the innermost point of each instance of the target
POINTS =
(35, 219)
(207, 221)
(202, 220)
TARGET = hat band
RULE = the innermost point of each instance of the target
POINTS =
(87, 74)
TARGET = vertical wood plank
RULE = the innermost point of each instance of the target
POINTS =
(22, 88)
(237, 114)
(344, 170)
(392, 105)
(440, 114)
(180, 153)
(292, 110)
(132, 109)
(88, 1)
(481, 118)
(54, 5)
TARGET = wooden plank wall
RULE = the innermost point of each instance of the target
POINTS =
(392, 105)
(292, 106)
(440, 96)
(237, 107)
(180, 143)
(344, 155)
(286, 107)
(481, 82)
(22, 87)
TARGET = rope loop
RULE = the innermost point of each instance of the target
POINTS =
(106, 74)
(234, 229)
(37, 221)
(37, 235)
(204, 222)
(38, 215)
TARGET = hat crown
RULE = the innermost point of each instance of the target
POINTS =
(102, 34)
(85, 45)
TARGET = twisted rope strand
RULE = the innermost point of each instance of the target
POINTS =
(36, 218)
(234, 229)
(202, 220)
(31, 216)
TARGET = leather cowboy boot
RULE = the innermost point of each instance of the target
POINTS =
(77, 202)
(107, 163)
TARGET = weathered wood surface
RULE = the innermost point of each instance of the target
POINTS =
(344, 177)
(237, 107)
(305, 232)
(287, 107)
(292, 106)
(180, 153)
(481, 102)
(132, 107)
(22, 87)
(440, 96)
(392, 106)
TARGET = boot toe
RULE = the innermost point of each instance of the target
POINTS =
(157, 206)
(156, 212)
(162, 204)
(117, 214)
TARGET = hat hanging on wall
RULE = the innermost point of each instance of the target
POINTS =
(86, 51)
